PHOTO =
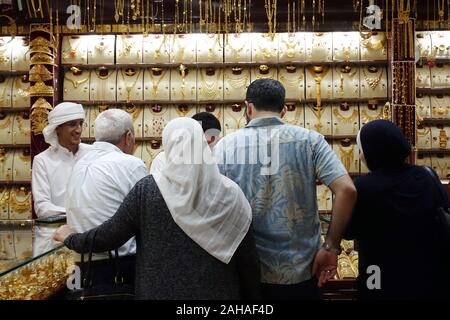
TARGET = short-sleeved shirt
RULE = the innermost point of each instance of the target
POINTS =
(277, 165)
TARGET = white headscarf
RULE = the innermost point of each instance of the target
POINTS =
(210, 208)
(62, 113)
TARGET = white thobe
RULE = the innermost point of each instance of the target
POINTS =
(98, 185)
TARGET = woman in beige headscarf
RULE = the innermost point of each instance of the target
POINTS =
(191, 225)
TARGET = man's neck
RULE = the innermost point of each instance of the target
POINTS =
(265, 114)
(71, 148)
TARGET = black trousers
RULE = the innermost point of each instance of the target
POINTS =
(306, 290)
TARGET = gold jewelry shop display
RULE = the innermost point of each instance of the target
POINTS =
(264, 47)
(209, 48)
(183, 110)
(423, 160)
(39, 72)
(38, 279)
(6, 164)
(6, 127)
(129, 49)
(76, 84)
(345, 119)
(373, 46)
(4, 206)
(264, 72)
(39, 115)
(371, 111)
(423, 76)
(137, 116)
(373, 82)
(423, 137)
(348, 152)
(440, 106)
(155, 119)
(23, 244)
(21, 128)
(157, 84)
(423, 41)
(6, 46)
(5, 92)
(319, 81)
(210, 84)
(345, 46)
(20, 54)
(130, 83)
(20, 203)
(74, 49)
(183, 48)
(157, 48)
(101, 49)
(20, 92)
(423, 106)
(346, 82)
(233, 118)
(319, 46)
(236, 81)
(440, 164)
(41, 89)
(440, 136)
(183, 83)
(293, 80)
(295, 114)
(103, 85)
(22, 165)
(440, 76)
(441, 44)
(238, 47)
(291, 47)
(324, 197)
(7, 251)
(150, 150)
(318, 118)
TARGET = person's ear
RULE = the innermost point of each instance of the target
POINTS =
(249, 109)
(211, 139)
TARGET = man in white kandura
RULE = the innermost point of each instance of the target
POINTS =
(99, 183)
(52, 167)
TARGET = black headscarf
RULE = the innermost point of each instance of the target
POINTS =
(384, 145)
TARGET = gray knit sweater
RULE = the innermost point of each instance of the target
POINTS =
(169, 264)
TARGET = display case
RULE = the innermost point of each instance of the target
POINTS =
(26, 273)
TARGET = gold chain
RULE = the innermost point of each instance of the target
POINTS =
(345, 119)
(347, 156)
(209, 88)
(76, 83)
(155, 85)
(238, 82)
(20, 205)
(128, 88)
(372, 82)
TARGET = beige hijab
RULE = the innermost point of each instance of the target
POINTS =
(210, 208)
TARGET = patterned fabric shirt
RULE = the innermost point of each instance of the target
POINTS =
(277, 165)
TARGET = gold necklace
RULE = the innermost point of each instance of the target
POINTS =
(443, 139)
(126, 47)
(345, 119)
(103, 77)
(442, 169)
(20, 123)
(317, 112)
(293, 82)
(20, 205)
(237, 81)
(347, 156)
(182, 112)
(265, 76)
(209, 88)
(341, 76)
(158, 50)
(135, 112)
(318, 72)
(24, 158)
(4, 201)
(128, 88)
(372, 82)
(366, 118)
(294, 121)
(76, 83)
(440, 110)
(236, 51)
(6, 123)
(290, 46)
(237, 121)
(72, 53)
(155, 84)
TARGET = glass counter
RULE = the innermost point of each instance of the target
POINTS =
(29, 270)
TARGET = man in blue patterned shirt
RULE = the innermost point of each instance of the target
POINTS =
(277, 165)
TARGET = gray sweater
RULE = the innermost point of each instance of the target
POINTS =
(169, 264)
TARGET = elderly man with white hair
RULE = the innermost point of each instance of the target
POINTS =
(99, 183)
(52, 167)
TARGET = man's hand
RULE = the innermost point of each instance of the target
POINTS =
(62, 233)
(324, 266)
